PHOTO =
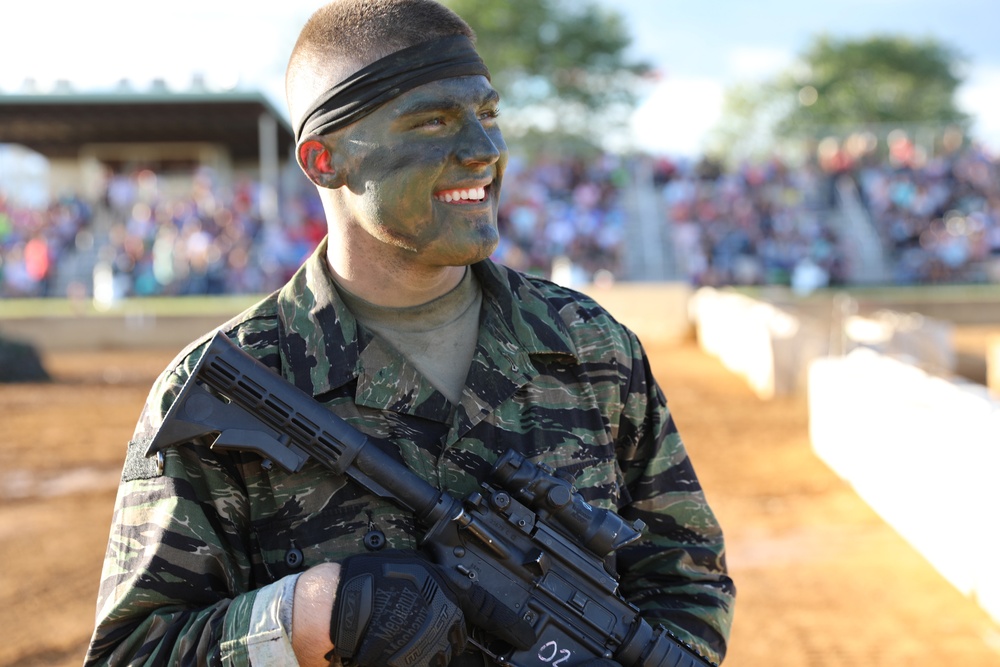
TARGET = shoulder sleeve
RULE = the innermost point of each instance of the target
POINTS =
(177, 586)
(676, 574)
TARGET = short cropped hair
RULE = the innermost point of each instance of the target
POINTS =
(345, 35)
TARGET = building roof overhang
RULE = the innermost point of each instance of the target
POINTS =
(58, 125)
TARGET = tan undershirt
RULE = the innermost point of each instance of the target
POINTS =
(438, 337)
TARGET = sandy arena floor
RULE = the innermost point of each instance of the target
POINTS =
(822, 580)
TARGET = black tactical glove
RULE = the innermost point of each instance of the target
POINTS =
(395, 609)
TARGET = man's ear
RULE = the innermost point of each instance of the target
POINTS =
(316, 160)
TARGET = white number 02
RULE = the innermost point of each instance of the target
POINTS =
(551, 653)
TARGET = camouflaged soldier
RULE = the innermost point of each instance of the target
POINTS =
(400, 324)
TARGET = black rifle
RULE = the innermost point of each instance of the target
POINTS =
(529, 538)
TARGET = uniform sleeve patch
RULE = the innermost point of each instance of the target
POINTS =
(140, 466)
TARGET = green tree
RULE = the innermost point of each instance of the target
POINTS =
(560, 66)
(747, 126)
(875, 81)
(841, 86)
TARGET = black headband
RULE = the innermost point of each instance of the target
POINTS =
(370, 87)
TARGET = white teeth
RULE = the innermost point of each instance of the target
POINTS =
(474, 194)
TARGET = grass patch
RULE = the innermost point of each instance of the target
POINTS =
(882, 293)
(155, 306)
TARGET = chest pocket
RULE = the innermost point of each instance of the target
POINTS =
(325, 522)
(566, 430)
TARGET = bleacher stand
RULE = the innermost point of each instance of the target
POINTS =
(760, 224)
(939, 221)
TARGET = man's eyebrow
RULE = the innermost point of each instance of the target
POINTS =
(414, 107)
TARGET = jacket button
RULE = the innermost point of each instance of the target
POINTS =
(374, 540)
(293, 557)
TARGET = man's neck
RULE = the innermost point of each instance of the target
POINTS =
(391, 284)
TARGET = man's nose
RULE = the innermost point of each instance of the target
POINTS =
(477, 144)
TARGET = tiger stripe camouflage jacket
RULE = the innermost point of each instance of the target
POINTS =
(198, 535)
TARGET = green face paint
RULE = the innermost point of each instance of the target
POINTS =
(424, 171)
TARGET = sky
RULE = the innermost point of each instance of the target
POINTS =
(698, 48)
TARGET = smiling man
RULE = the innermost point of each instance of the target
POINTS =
(412, 188)
(400, 324)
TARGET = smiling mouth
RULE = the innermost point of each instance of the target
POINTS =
(462, 195)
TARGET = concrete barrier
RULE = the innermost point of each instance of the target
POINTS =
(993, 364)
(923, 452)
(912, 337)
(110, 332)
(769, 347)
(656, 312)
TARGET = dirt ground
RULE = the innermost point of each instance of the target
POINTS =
(822, 580)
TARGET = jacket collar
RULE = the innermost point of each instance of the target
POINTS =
(323, 347)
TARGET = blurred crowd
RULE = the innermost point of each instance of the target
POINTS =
(938, 219)
(138, 241)
(34, 242)
(564, 216)
(214, 241)
(760, 224)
